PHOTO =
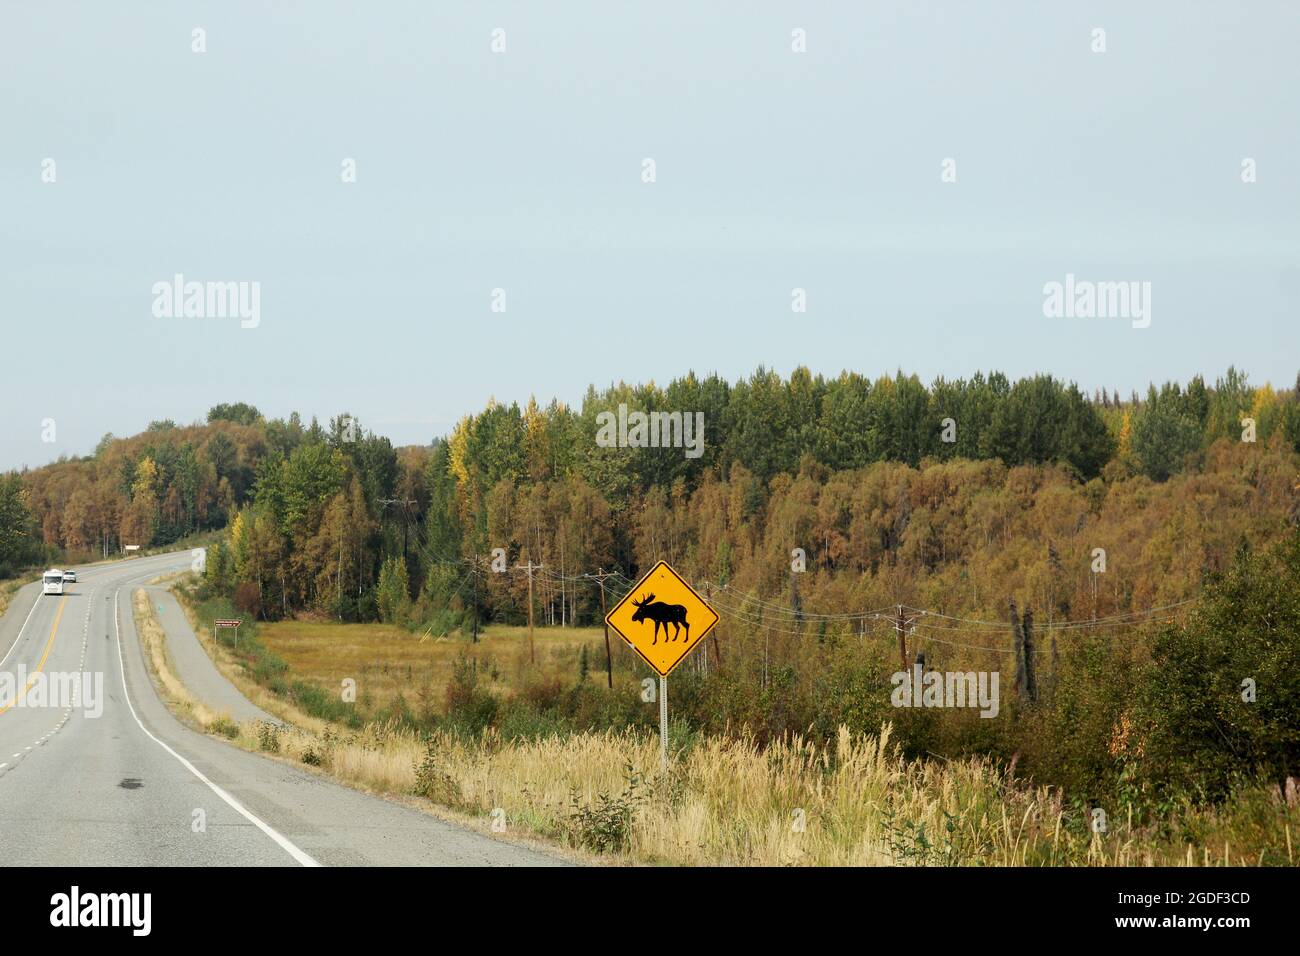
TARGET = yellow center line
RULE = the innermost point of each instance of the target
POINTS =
(44, 657)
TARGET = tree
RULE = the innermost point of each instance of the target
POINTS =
(239, 412)
(1221, 698)
(392, 593)
(1161, 438)
(15, 525)
(218, 570)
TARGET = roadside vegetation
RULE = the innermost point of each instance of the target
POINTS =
(1129, 566)
(172, 690)
(1182, 777)
(8, 589)
(729, 800)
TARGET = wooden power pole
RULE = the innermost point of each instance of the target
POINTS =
(475, 573)
(599, 577)
(530, 568)
(903, 624)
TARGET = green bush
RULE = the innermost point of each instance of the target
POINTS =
(1191, 730)
(326, 705)
(605, 826)
(470, 708)
(224, 726)
(268, 737)
(434, 783)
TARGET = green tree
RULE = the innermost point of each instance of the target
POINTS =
(16, 541)
(1162, 437)
(1221, 697)
(392, 593)
(239, 412)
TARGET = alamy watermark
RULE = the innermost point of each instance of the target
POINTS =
(1085, 299)
(178, 299)
(651, 430)
(55, 689)
(922, 688)
(128, 910)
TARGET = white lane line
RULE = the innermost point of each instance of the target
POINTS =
(18, 639)
(299, 855)
(84, 638)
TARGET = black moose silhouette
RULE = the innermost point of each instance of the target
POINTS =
(662, 614)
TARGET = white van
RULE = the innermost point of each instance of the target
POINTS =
(52, 581)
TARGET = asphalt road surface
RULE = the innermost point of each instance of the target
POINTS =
(195, 668)
(132, 786)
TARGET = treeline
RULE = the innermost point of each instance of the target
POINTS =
(770, 425)
(1078, 509)
(321, 516)
(857, 473)
(149, 490)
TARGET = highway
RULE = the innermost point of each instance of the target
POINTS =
(132, 786)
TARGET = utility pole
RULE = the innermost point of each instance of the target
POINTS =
(794, 597)
(406, 504)
(475, 573)
(530, 568)
(904, 625)
(713, 637)
(599, 577)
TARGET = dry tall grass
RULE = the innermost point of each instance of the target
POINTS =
(8, 588)
(386, 660)
(728, 802)
(153, 641)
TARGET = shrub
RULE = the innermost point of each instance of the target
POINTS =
(268, 737)
(319, 702)
(470, 709)
(434, 783)
(224, 726)
(606, 825)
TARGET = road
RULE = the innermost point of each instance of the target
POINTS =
(194, 667)
(132, 786)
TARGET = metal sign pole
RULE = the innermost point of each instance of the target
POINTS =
(663, 723)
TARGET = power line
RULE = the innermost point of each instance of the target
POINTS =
(749, 609)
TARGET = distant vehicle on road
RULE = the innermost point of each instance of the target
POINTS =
(69, 577)
(52, 581)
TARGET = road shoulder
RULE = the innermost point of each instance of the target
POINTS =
(433, 834)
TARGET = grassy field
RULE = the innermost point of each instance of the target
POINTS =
(386, 661)
(724, 800)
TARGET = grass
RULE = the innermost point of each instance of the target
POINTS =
(387, 661)
(725, 800)
(728, 802)
(8, 589)
(153, 642)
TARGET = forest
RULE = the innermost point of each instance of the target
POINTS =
(885, 478)
(1079, 541)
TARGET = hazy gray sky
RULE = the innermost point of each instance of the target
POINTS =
(522, 170)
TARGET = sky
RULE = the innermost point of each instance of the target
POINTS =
(523, 170)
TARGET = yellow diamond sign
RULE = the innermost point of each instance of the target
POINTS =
(662, 618)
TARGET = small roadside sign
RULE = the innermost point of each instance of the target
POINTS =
(232, 625)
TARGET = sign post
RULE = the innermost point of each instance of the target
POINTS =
(231, 624)
(663, 620)
(663, 724)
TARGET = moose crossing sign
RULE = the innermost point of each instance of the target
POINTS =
(662, 618)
